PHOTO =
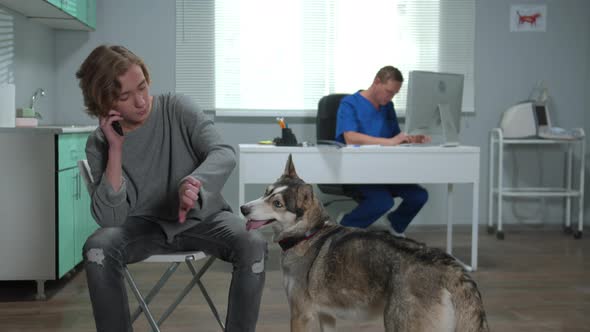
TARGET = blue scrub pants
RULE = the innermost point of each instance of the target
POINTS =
(376, 200)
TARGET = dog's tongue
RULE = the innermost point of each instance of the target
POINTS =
(254, 224)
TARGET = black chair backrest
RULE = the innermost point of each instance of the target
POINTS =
(325, 122)
(325, 126)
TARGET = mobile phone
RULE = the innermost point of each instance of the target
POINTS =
(117, 128)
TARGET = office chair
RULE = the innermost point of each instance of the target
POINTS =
(174, 259)
(325, 126)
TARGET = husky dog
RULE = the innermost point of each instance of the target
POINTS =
(330, 271)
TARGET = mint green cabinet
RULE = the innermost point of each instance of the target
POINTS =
(83, 10)
(75, 222)
(87, 223)
(56, 3)
(91, 13)
(45, 214)
(66, 222)
(59, 14)
(69, 6)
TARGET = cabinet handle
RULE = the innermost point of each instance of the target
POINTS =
(75, 187)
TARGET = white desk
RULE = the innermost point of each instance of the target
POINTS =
(327, 164)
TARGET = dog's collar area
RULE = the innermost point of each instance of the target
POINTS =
(290, 242)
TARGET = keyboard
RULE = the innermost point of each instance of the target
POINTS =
(559, 133)
(420, 144)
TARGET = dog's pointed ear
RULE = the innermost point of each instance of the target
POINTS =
(304, 196)
(290, 168)
(308, 215)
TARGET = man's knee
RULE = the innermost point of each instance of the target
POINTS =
(381, 202)
(252, 250)
(421, 196)
(102, 243)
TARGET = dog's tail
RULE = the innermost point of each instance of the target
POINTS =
(469, 312)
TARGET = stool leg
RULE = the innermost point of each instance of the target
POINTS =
(142, 303)
(156, 289)
(204, 290)
(187, 289)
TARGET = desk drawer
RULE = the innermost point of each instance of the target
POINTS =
(70, 149)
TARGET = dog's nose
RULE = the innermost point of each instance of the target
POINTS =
(245, 210)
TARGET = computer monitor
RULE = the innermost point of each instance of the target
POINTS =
(434, 106)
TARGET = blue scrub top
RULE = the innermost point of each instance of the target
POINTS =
(356, 113)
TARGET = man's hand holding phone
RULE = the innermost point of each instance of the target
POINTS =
(112, 129)
(117, 128)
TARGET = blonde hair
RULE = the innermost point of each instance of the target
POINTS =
(99, 75)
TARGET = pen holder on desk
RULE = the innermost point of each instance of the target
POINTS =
(287, 138)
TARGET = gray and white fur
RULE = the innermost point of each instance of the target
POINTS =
(332, 272)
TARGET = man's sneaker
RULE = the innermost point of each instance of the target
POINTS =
(396, 234)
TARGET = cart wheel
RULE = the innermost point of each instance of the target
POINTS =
(577, 235)
(567, 229)
(491, 230)
(500, 235)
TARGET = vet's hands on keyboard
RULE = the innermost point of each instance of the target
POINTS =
(420, 139)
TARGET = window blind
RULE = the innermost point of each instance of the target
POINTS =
(286, 55)
(6, 48)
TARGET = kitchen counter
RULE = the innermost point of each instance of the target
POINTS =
(53, 129)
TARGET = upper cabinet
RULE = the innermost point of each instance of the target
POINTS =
(58, 14)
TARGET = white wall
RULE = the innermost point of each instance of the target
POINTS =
(34, 65)
(146, 27)
(508, 65)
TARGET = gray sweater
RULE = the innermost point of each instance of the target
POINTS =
(177, 140)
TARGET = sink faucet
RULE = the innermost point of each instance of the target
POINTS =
(38, 92)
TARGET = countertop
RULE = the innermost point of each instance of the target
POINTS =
(51, 129)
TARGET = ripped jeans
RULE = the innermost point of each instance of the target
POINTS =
(108, 250)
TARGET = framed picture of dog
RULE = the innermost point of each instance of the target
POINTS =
(528, 18)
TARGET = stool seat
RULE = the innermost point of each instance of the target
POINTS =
(175, 257)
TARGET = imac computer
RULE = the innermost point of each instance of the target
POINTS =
(434, 106)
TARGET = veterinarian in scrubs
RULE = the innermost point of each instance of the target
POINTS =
(157, 189)
(368, 117)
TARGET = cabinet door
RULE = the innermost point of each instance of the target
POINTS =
(80, 221)
(91, 224)
(84, 223)
(66, 226)
(74, 202)
(70, 7)
(82, 11)
(91, 13)
(56, 3)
